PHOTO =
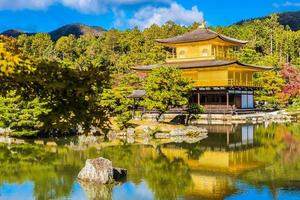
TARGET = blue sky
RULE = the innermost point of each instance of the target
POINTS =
(46, 15)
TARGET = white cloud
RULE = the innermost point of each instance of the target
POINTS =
(120, 17)
(287, 4)
(27, 4)
(84, 6)
(149, 15)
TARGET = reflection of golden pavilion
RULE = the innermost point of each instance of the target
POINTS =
(232, 162)
(226, 153)
(211, 171)
(211, 186)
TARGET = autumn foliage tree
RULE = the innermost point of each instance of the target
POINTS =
(291, 75)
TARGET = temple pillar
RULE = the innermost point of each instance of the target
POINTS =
(227, 99)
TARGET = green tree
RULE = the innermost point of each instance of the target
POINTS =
(193, 110)
(42, 46)
(166, 88)
(66, 48)
(22, 117)
(116, 99)
(272, 84)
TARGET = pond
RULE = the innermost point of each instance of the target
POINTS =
(233, 162)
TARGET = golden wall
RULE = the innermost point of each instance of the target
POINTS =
(220, 76)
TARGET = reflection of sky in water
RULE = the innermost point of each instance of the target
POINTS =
(247, 192)
(17, 191)
(125, 191)
(131, 191)
(77, 192)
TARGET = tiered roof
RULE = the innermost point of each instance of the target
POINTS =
(200, 34)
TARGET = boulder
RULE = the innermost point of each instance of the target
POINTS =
(97, 170)
(101, 171)
(4, 131)
(189, 130)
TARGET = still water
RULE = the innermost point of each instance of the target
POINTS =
(233, 162)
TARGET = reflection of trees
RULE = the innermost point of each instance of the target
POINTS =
(168, 179)
(195, 152)
(46, 167)
(281, 152)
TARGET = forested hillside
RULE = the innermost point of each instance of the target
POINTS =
(291, 19)
(56, 86)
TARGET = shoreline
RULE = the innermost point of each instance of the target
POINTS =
(149, 119)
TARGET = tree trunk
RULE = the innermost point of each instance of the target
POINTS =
(187, 119)
(271, 43)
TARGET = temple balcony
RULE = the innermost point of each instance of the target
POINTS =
(174, 58)
(225, 83)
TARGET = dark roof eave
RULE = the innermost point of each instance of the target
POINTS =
(255, 66)
(165, 41)
(149, 68)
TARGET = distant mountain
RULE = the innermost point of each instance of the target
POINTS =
(75, 29)
(12, 33)
(292, 19)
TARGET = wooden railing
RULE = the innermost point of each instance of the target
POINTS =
(226, 82)
(186, 59)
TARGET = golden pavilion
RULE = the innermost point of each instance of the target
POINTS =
(221, 83)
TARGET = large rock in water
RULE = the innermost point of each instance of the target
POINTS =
(97, 170)
(101, 171)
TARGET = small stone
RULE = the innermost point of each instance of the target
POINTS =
(40, 142)
(121, 134)
(130, 131)
(162, 136)
(130, 140)
(51, 144)
(119, 174)
(189, 130)
(86, 140)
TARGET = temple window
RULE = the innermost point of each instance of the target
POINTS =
(205, 53)
(213, 50)
(182, 53)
